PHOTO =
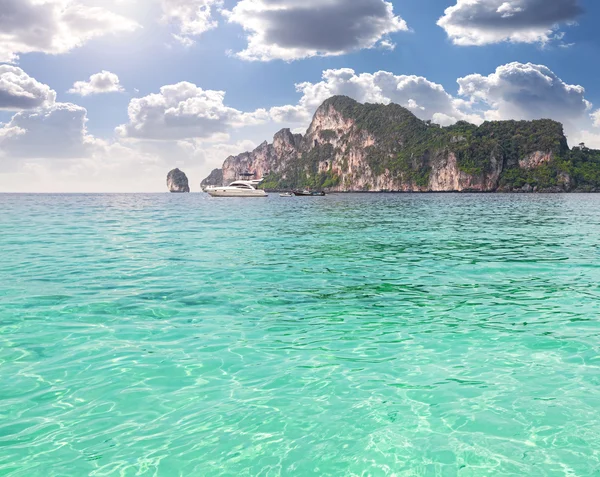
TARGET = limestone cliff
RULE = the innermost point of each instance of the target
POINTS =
(177, 181)
(214, 179)
(264, 160)
(372, 147)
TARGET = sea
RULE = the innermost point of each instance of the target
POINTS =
(418, 335)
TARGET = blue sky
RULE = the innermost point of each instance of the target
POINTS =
(98, 147)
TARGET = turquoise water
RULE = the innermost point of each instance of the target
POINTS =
(351, 335)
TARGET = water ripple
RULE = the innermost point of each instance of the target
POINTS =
(355, 335)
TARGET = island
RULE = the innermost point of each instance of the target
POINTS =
(354, 147)
(177, 182)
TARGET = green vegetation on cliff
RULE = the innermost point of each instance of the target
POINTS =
(583, 167)
(510, 142)
(307, 171)
(406, 146)
(402, 139)
(319, 181)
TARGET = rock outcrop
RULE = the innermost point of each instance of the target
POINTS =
(214, 179)
(373, 147)
(177, 181)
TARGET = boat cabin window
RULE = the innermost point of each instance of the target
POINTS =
(239, 185)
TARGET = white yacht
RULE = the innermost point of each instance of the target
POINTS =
(237, 189)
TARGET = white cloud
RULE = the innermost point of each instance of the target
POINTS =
(53, 26)
(103, 168)
(19, 91)
(481, 22)
(42, 128)
(427, 100)
(185, 41)
(387, 45)
(589, 138)
(49, 149)
(342, 81)
(9, 132)
(507, 10)
(103, 82)
(294, 29)
(209, 157)
(58, 131)
(596, 118)
(183, 111)
(192, 17)
(526, 91)
(290, 114)
(513, 91)
(118, 167)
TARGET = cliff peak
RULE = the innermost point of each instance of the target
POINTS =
(338, 101)
(286, 139)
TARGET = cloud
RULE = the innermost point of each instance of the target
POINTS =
(53, 26)
(513, 91)
(426, 99)
(103, 168)
(42, 128)
(295, 29)
(589, 138)
(55, 132)
(192, 17)
(183, 111)
(103, 82)
(9, 132)
(118, 167)
(596, 118)
(19, 91)
(196, 154)
(290, 114)
(481, 22)
(49, 148)
(526, 91)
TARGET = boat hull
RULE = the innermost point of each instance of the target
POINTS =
(225, 192)
(299, 193)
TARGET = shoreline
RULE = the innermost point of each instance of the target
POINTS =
(516, 192)
(358, 192)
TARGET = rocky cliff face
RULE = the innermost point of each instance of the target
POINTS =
(355, 147)
(214, 179)
(177, 181)
(264, 160)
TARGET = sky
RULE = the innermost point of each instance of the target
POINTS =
(109, 95)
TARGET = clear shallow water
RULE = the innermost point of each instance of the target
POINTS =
(351, 335)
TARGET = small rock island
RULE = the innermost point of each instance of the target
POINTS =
(177, 182)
